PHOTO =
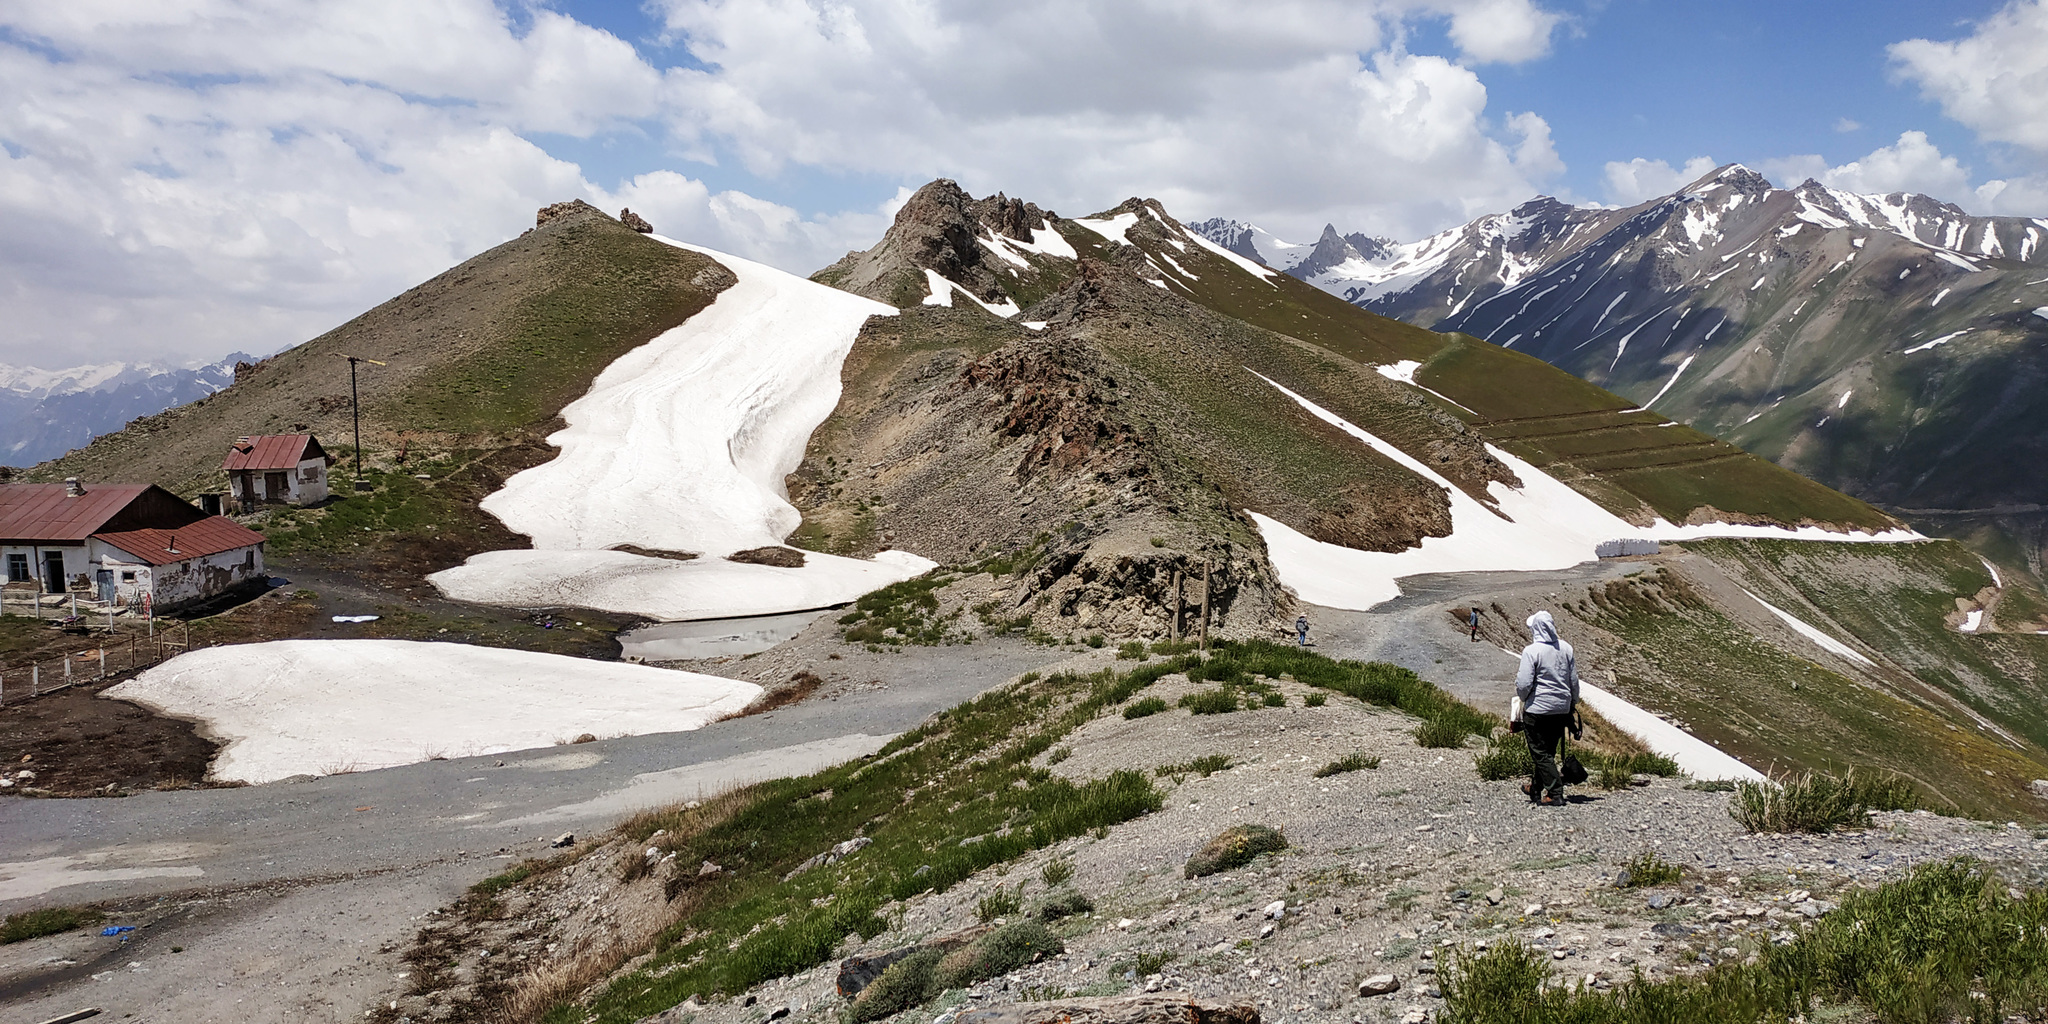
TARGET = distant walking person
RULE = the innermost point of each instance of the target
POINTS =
(1474, 620)
(1301, 629)
(1548, 683)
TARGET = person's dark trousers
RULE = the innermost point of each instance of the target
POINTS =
(1545, 732)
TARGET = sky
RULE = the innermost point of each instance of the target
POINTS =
(186, 178)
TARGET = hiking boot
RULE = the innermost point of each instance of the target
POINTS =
(1551, 801)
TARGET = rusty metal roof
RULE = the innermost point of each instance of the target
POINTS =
(209, 536)
(272, 451)
(44, 512)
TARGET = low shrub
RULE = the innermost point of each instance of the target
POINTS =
(1712, 785)
(1347, 763)
(1014, 945)
(1946, 943)
(1000, 903)
(1648, 871)
(1173, 648)
(1276, 700)
(1441, 733)
(1056, 873)
(1064, 906)
(1147, 706)
(1817, 802)
(1132, 650)
(31, 924)
(1316, 700)
(1096, 640)
(1220, 701)
(1506, 757)
(1205, 766)
(1234, 847)
(906, 983)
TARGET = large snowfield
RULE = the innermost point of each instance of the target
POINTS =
(1542, 525)
(318, 707)
(682, 445)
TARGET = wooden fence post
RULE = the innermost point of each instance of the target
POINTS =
(1205, 606)
(1173, 633)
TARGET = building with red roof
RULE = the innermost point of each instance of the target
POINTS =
(277, 469)
(120, 545)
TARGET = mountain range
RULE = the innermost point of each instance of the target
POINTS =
(1891, 346)
(45, 413)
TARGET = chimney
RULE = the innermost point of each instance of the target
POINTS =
(171, 546)
(72, 488)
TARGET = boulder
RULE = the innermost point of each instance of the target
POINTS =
(1379, 985)
(636, 222)
(1148, 1009)
(2039, 787)
(857, 972)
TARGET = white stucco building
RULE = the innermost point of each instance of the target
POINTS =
(124, 545)
(276, 469)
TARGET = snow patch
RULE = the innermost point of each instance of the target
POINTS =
(1943, 340)
(1799, 626)
(1542, 525)
(942, 289)
(1972, 621)
(1843, 401)
(1938, 296)
(292, 707)
(1266, 274)
(682, 444)
(1114, 228)
(1674, 379)
(1696, 757)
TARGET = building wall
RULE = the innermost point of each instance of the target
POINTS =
(180, 583)
(77, 560)
(306, 485)
(309, 484)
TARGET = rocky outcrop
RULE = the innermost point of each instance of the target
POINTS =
(572, 210)
(942, 229)
(635, 221)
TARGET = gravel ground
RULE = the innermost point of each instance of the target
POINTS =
(1390, 871)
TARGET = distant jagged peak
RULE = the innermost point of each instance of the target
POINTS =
(1733, 176)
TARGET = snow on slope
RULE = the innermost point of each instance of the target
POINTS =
(1800, 626)
(682, 445)
(1542, 525)
(292, 707)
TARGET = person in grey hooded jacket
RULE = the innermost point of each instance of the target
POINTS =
(1548, 683)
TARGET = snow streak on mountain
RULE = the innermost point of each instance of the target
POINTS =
(1886, 345)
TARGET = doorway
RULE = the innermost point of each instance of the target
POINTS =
(53, 572)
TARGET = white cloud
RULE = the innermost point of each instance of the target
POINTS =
(181, 178)
(1639, 179)
(1847, 125)
(1266, 111)
(1995, 80)
(1502, 30)
(1911, 164)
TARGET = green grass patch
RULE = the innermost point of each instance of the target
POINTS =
(1219, 701)
(1648, 870)
(1205, 766)
(1506, 757)
(1146, 706)
(1818, 802)
(1057, 873)
(32, 924)
(611, 290)
(1946, 943)
(1347, 763)
(901, 613)
(1000, 903)
(1441, 733)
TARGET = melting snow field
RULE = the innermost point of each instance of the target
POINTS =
(682, 445)
(316, 707)
(1546, 525)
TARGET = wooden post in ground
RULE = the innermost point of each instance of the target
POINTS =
(1173, 632)
(1205, 606)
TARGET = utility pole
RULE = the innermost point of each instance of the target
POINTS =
(355, 411)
